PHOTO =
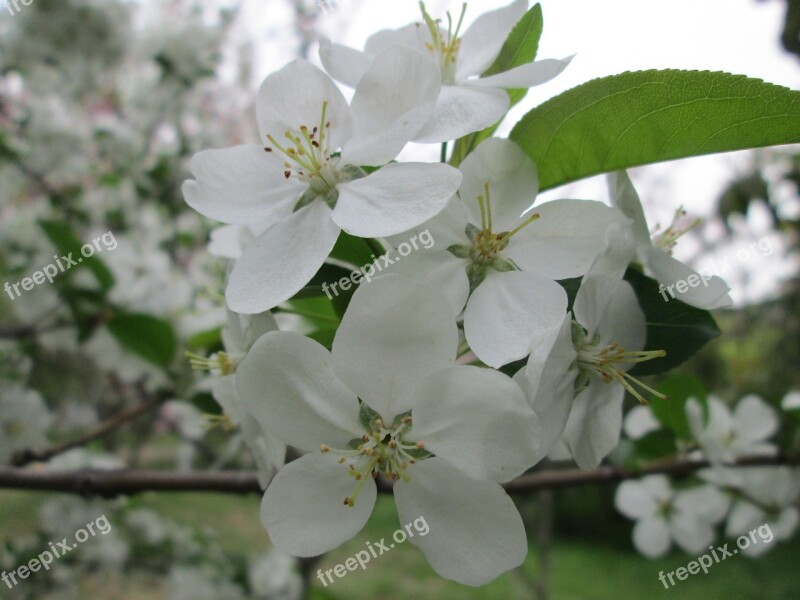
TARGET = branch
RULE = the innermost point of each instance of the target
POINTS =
(109, 484)
(25, 457)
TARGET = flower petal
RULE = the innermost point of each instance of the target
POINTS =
(651, 537)
(634, 500)
(754, 420)
(241, 185)
(478, 420)
(482, 41)
(438, 269)
(282, 260)
(387, 111)
(395, 331)
(511, 175)
(507, 310)
(343, 63)
(708, 292)
(565, 239)
(595, 422)
(409, 36)
(604, 278)
(525, 76)
(288, 384)
(550, 379)
(395, 198)
(624, 196)
(461, 110)
(475, 531)
(294, 96)
(624, 321)
(303, 509)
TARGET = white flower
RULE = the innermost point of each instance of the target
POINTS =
(500, 263)
(468, 102)
(640, 421)
(655, 254)
(390, 400)
(664, 515)
(791, 401)
(605, 340)
(730, 435)
(238, 337)
(309, 184)
(24, 419)
(762, 496)
(274, 576)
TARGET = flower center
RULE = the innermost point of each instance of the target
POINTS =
(611, 362)
(444, 46)
(13, 428)
(219, 363)
(381, 450)
(667, 239)
(308, 155)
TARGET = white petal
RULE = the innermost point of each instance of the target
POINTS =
(395, 198)
(565, 239)
(282, 260)
(395, 331)
(303, 509)
(693, 535)
(446, 228)
(658, 486)
(754, 420)
(287, 383)
(461, 110)
(603, 278)
(344, 64)
(595, 423)
(410, 36)
(744, 517)
(791, 401)
(705, 502)
(525, 76)
(634, 500)
(651, 537)
(624, 322)
(639, 422)
(478, 420)
(294, 96)
(387, 111)
(623, 195)
(482, 41)
(438, 269)
(512, 180)
(475, 532)
(708, 292)
(507, 311)
(242, 331)
(550, 376)
(228, 241)
(241, 185)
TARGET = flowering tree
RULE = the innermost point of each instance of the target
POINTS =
(365, 324)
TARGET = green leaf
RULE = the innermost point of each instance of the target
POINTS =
(672, 413)
(520, 48)
(654, 445)
(64, 239)
(352, 249)
(152, 339)
(644, 117)
(677, 328)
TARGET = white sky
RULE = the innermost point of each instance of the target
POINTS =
(608, 37)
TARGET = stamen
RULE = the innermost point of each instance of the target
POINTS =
(608, 362)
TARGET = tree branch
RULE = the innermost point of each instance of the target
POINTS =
(121, 483)
(25, 457)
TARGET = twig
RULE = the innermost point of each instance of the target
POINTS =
(128, 482)
(28, 456)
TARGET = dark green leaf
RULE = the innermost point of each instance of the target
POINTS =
(644, 117)
(672, 413)
(677, 328)
(152, 339)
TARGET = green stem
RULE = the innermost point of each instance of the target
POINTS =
(376, 247)
(443, 156)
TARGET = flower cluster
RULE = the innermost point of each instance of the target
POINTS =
(459, 367)
(744, 498)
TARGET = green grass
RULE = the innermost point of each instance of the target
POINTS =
(582, 569)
